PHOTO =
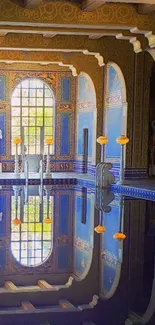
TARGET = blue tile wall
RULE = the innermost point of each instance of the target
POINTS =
(64, 214)
(85, 121)
(65, 134)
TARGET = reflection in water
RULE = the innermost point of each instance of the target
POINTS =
(31, 240)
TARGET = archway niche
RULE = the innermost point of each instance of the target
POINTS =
(115, 113)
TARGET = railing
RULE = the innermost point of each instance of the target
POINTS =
(26, 172)
(41, 172)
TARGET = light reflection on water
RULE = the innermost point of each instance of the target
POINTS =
(31, 241)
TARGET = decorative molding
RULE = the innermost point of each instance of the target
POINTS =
(151, 39)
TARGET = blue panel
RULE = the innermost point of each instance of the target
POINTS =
(66, 89)
(83, 231)
(3, 140)
(114, 84)
(108, 277)
(64, 214)
(3, 211)
(65, 135)
(2, 257)
(2, 87)
(85, 121)
(63, 257)
(111, 223)
(114, 130)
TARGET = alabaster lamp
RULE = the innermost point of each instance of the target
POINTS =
(100, 229)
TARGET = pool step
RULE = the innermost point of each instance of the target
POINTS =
(26, 306)
(42, 285)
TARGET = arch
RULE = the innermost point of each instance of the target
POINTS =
(86, 119)
(115, 112)
(31, 239)
(86, 91)
(32, 114)
(121, 79)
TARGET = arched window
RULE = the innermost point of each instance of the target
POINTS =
(32, 112)
(32, 239)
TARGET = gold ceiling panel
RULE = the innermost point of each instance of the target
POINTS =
(65, 13)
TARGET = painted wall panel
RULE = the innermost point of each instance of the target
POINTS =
(64, 214)
(2, 218)
(65, 89)
(82, 259)
(108, 277)
(114, 84)
(86, 93)
(65, 135)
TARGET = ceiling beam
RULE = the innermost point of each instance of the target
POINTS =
(146, 8)
(32, 3)
(89, 5)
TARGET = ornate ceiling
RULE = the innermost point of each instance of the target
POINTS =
(143, 6)
(54, 31)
